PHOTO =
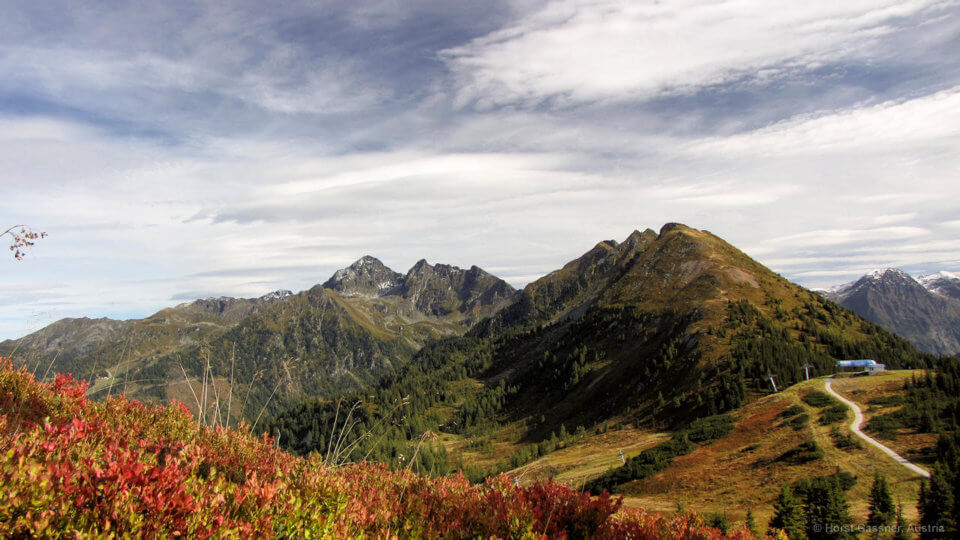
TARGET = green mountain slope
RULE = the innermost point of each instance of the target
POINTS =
(92, 348)
(666, 326)
(655, 331)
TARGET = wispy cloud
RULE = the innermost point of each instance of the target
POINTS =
(573, 51)
(833, 237)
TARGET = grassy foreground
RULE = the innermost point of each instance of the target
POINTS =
(70, 466)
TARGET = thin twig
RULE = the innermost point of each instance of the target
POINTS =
(206, 368)
(51, 364)
(380, 422)
(217, 419)
(191, 391)
(417, 450)
(275, 388)
(343, 431)
(119, 363)
(253, 379)
(333, 431)
(233, 357)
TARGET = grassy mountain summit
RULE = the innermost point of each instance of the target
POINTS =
(70, 338)
(711, 297)
(680, 314)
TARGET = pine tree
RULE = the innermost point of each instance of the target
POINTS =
(881, 503)
(838, 510)
(936, 499)
(788, 514)
(751, 523)
(827, 508)
(901, 526)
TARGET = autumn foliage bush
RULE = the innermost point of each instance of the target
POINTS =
(70, 466)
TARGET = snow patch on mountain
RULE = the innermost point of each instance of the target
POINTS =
(927, 279)
(875, 275)
(880, 273)
(940, 282)
(278, 294)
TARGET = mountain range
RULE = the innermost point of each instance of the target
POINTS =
(655, 331)
(923, 309)
(659, 328)
(363, 322)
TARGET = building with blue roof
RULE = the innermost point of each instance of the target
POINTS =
(871, 367)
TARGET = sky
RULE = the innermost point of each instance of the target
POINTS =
(176, 150)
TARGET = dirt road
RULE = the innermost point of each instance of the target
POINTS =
(855, 428)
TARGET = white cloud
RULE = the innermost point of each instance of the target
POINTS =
(924, 126)
(607, 49)
(489, 168)
(893, 218)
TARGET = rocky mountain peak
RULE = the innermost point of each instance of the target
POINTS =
(943, 283)
(365, 277)
(875, 278)
(442, 289)
(890, 274)
(943, 274)
(435, 290)
(883, 278)
(638, 238)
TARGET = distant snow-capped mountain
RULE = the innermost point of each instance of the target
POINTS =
(924, 309)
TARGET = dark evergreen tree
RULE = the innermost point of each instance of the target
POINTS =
(827, 511)
(882, 512)
(788, 514)
(936, 501)
(720, 522)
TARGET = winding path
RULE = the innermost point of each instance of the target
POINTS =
(855, 428)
